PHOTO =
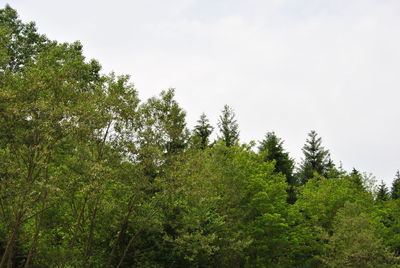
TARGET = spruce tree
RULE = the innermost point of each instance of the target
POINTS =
(272, 149)
(203, 130)
(396, 186)
(383, 192)
(316, 158)
(228, 126)
(356, 178)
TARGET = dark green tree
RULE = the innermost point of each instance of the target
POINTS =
(228, 126)
(396, 186)
(316, 158)
(272, 149)
(356, 177)
(203, 130)
(383, 192)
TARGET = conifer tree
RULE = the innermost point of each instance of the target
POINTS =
(356, 178)
(203, 130)
(383, 192)
(272, 147)
(228, 126)
(316, 158)
(396, 186)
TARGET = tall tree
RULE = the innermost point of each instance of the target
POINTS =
(272, 149)
(396, 186)
(316, 158)
(42, 108)
(203, 130)
(228, 126)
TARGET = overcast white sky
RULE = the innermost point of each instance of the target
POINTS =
(284, 66)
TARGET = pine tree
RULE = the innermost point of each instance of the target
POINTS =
(383, 192)
(396, 186)
(272, 148)
(316, 158)
(228, 126)
(203, 130)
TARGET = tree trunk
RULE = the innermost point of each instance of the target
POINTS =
(90, 236)
(10, 243)
(34, 242)
(122, 230)
(135, 235)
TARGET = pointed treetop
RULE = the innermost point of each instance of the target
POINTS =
(228, 126)
(203, 130)
(272, 149)
(396, 186)
(383, 192)
(316, 158)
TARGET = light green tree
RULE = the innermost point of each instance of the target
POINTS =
(355, 243)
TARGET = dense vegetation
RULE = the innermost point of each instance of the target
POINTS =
(90, 176)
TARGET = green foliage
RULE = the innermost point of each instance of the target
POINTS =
(272, 148)
(202, 131)
(163, 123)
(228, 126)
(316, 159)
(383, 192)
(390, 217)
(90, 176)
(318, 202)
(355, 243)
(395, 193)
(20, 41)
(357, 178)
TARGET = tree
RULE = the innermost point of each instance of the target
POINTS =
(390, 217)
(396, 186)
(163, 123)
(203, 130)
(92, 177)
(272, 149)
(383, 192)
(228, 126)
(316, 158)
(356, 177)
(22, 42)
(41, 110)
(355, 242)
(319, 201)
(253, 202)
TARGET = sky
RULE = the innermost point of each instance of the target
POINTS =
(285, 66)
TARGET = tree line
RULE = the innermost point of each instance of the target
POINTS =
(91, 176)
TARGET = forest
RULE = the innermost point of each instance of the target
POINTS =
(91, 176)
